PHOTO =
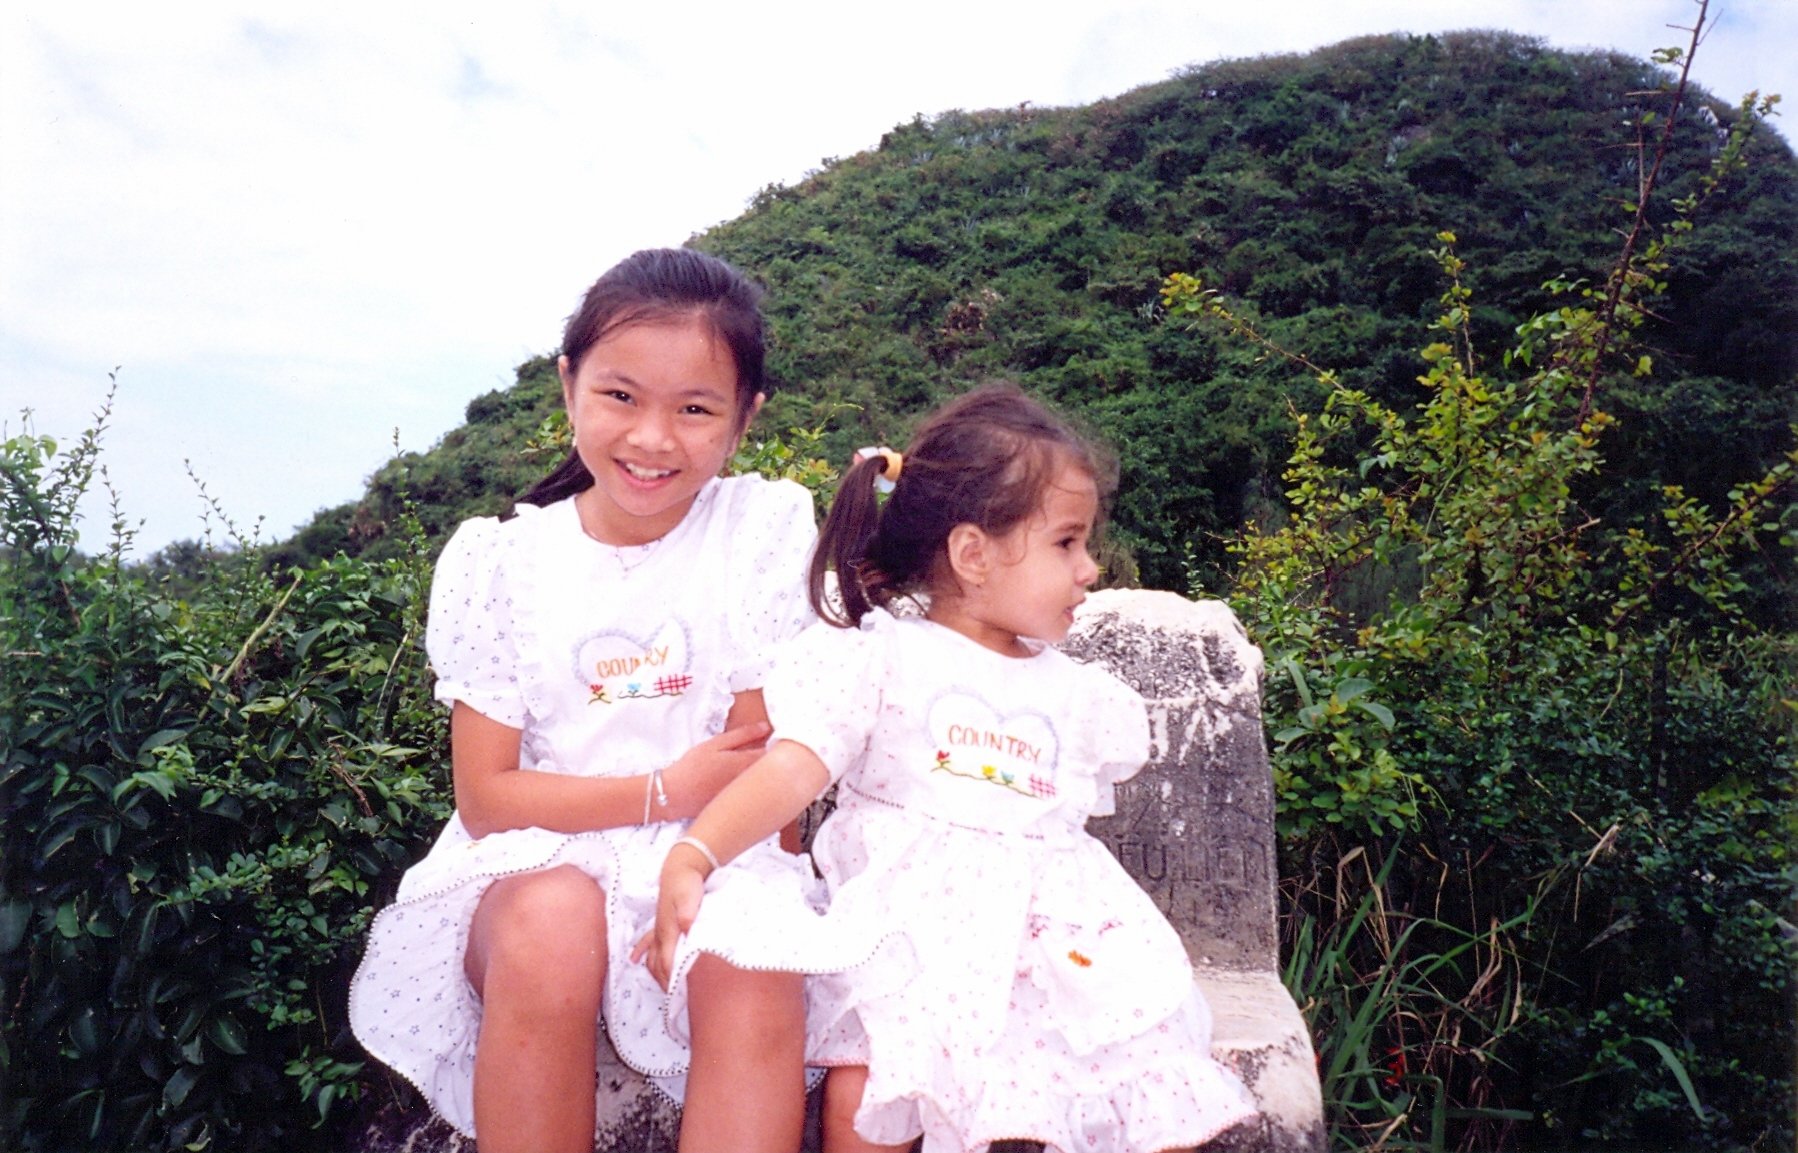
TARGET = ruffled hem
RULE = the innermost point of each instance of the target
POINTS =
(410, 1005)
(412, 1008)
(751, 921)
(1046, 998)
(1157, 1091)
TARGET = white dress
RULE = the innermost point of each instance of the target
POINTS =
(613, 662)
(1027, 987)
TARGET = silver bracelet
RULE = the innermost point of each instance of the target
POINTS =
(661, 793)
(704, 851)
(648, 783)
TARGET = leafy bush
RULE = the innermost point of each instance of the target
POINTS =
(1563, 733)
(203, 800)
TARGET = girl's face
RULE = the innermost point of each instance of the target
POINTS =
(653, 407)
(1039, 571)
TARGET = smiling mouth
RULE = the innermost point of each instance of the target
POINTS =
(641, 473)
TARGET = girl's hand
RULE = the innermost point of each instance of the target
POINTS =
(707, 767)
(683, 888)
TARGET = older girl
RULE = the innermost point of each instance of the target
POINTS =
(603, 653)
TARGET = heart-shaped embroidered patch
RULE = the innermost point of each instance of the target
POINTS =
(619, 666)
(1016, 751)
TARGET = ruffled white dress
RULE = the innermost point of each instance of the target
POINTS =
(1043, 995)
(612, 662)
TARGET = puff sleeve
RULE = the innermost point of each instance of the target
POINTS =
(826, 690)
(770, 552)
(1118, 728)
(468, 635)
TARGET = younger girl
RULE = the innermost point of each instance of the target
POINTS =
(1027, 987)
(603, 652)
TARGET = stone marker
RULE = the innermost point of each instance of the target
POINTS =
(1196, 829)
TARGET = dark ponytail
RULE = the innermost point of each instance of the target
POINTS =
(843, 545)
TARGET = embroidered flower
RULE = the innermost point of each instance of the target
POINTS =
(1080, 959)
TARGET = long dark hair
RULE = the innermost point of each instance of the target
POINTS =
(985, 459)
(663, 284)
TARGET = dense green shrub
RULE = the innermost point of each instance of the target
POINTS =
(203, 796)
(1562, 732)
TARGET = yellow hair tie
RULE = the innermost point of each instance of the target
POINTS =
(884, 481)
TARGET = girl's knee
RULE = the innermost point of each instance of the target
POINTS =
(766, 1006)
(549, 922)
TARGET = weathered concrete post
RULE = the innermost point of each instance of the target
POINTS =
(1196, 829)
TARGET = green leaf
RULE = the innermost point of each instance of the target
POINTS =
(146, 930)
(179, 1086)
(15, 916)
(156, 740)
(1298, 679)
(54, 844)
(84, 1032)
(225, 1032)
(304, 644)
(1378, 712)
(1673, 1063)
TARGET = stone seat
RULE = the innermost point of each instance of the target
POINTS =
(1195, 828)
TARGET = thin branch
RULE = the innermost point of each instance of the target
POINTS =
(256, 634)
(1697, 547)
(1607, 313)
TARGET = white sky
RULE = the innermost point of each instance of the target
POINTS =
(298, 228)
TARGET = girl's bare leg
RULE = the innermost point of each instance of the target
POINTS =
(537, 956)
(842, 1097)
(746, 1088)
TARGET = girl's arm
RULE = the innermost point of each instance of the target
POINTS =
(494, 792)
(749, 709)
(775, 790)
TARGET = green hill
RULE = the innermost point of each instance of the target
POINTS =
(1030, 243)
